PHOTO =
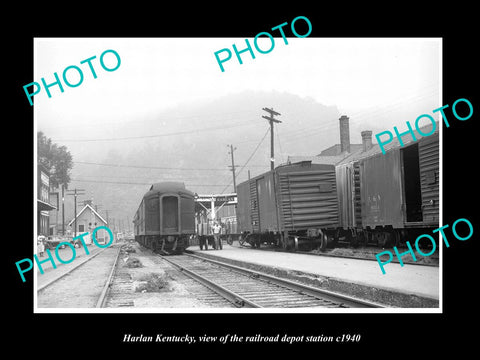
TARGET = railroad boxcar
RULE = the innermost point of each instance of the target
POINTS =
(388, 198)
(292, 206)
(165, 219)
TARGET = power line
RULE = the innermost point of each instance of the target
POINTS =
(135, 183)
(157, 167)
(151, 178)
(254, 151)
(279, 145)
(148, 167)
(160, 118)
(243, 123)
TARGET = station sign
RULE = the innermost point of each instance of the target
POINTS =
(216, 198)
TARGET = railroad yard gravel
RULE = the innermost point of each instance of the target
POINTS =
(150, 283)
(407, 286)
(82, 287)
(369, 253)
(154, 283)
(142, 279)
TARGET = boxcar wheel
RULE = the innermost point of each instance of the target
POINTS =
(242, 239)
(323, 241)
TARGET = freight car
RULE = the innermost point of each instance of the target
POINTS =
(292, 206)
(367, 197)
(386, 199)
(165, 219)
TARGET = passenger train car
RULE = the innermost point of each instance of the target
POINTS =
(165, 219)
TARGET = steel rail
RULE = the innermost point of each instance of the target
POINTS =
(101, 299)
(69, 271)
(237, 300)
(309, 290)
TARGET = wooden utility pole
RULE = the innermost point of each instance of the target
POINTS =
(108, 221)
(76, 192)
(232, 149)
(272, 120)
(63, 210)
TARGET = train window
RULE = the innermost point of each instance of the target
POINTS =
(170, 213)
(152, 204)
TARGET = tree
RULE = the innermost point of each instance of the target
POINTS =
(56, 159)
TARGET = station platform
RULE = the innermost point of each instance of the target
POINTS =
(410, 286)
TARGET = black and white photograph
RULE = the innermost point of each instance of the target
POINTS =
(291, 180)
(235, 188)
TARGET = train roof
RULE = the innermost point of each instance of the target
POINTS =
(168, 187)
(298, 166)
(319, 159)
(407, 140)
(345, 157)
(302, 165)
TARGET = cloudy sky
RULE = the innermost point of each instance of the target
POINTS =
(378, 83)
(361, 76)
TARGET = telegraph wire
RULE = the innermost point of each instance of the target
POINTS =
(155, 167)
(279, 145)
(253, 153)
(136, 183)
(148, 167)
(212, 128)
(149, 119)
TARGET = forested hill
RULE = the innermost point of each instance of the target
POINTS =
(189, 143)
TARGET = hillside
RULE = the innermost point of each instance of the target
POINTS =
(189, 143)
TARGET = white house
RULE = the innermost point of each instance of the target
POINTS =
(87, 220)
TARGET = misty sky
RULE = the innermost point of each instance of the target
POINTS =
(359, 76)
(378, 83)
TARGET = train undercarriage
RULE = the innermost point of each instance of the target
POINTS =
(165, 245)
(321, 239)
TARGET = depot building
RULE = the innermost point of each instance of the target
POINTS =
(86, 221)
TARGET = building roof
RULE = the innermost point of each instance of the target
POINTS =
(336, 149)
(44, 206)
(357, 151)
(407, 139)
(168, 187)
(328, 160)
(92, 209)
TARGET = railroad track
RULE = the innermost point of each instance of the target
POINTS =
(115, 291)
(81, 286)
(247, 288)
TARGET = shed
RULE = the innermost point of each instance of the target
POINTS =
(87, 220)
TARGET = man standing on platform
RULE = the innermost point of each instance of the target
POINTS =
(216, 229)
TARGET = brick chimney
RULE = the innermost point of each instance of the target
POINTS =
(344, 134)
(366, 139)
